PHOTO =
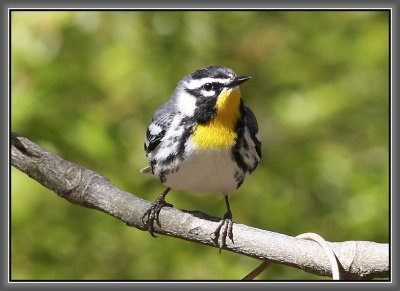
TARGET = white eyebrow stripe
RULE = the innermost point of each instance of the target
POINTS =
(193, 84)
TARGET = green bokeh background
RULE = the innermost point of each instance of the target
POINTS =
(85, 84)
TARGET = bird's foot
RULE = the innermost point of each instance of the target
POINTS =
(223, 230)
(153, 212)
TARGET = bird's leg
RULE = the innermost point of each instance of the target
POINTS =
(225, 227)
(154, 211)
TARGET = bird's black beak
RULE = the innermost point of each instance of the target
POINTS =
(239, 80)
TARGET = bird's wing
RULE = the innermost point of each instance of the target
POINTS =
(157, 129)
(252, 126)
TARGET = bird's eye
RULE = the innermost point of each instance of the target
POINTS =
(207, 86)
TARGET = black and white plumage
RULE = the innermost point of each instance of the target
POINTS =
(203, 139)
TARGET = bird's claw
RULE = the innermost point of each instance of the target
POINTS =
(153, 214)
(224, 229)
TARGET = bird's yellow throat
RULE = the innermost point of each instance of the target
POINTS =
(219, 132)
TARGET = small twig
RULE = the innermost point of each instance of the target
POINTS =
(310, 236)
(331, 255)
(257, 270)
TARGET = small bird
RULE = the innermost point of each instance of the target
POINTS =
(203, 139)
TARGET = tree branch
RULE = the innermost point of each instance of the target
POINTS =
(79, 185)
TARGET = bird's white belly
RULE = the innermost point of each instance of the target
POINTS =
(205, 171)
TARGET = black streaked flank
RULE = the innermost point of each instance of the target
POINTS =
(252, 126)
(245, 145)
(237, 157)
(168, 160)
(188, 124)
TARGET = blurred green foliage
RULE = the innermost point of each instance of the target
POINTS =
(85, 85)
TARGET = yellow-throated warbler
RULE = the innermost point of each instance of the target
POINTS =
(203, 139)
